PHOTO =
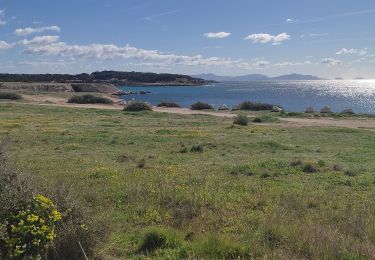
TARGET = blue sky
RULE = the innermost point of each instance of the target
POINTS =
(331, 39)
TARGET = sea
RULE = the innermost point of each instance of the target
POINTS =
(294, 96)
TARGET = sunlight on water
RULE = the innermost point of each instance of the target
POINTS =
(358, 95)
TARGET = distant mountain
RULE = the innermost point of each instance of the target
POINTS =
(296, 77)
(255, 77)
(250, 77)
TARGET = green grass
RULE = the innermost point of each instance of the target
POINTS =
(239, 198)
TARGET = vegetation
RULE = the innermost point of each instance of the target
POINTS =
(253, 106)
(89, 99)
(168, 104)
(9, 95)
(115, 77)
(136, 106)
(241, 120)
(201, 106)
(32, 226)
(246, 196)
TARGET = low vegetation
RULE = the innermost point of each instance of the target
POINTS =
(10, 95)
(136, 106)
(254, 106)
(201, 106)
(241, 120)
(168, 104)
(33, 226)
(138, 189)
(89, 99)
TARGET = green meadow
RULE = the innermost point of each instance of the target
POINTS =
(170, 186)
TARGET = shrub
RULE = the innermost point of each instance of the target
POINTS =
(142, 163)
(168, 104)
(198, 148)
(136, 106)
(201, 106)
(309, 110)
(337, 167)
(89, 99)
(241, 170)
(295, 162)
(348, 111)
(253, 106)
(17, 195)
(309, 167)
(32, 229)
(257, 120)
(325, 110)
(156, 238)
(351, 173)
(241, 120)
(8, 95)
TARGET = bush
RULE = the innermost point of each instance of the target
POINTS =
(168, 104)
(89, 99)
(32, 229)
(136, 106)
(241, 170)
(309, 167)
(198, 148)
(257, 120)
(253, 106)
(348, 111)
(241, 120)
(309, 110)
(326, 109)
(295, 162)
(17, 195)
(201, 106)
(8, 95)
(157, 238)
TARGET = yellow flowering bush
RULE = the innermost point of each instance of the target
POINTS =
(32, 229)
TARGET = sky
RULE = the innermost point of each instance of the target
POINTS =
(330, 39)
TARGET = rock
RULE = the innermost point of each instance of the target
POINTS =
(223, 107)
(276, 109)
(309, 110)
(326, 109)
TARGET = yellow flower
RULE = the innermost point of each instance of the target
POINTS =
(55, 215)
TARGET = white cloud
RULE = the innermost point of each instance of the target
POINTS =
(290, 64)
(331, 61)
(5, 45)
(268, 38)
(345, 51)
(290, 20)
(48, 47)
(217, 35)
(2, 21)
(28, 30)
(41, 40)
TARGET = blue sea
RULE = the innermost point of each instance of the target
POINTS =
(295, 96)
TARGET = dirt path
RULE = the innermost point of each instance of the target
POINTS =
(368, 124)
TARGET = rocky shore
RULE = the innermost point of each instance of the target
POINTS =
(59, 87)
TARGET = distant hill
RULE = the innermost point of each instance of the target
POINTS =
(255, 77)
(111, 77)
(250, 77)
(296, 77)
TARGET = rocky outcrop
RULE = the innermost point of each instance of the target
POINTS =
(94, 87)
(60, 87)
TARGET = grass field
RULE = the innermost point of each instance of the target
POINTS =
(256, 191)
